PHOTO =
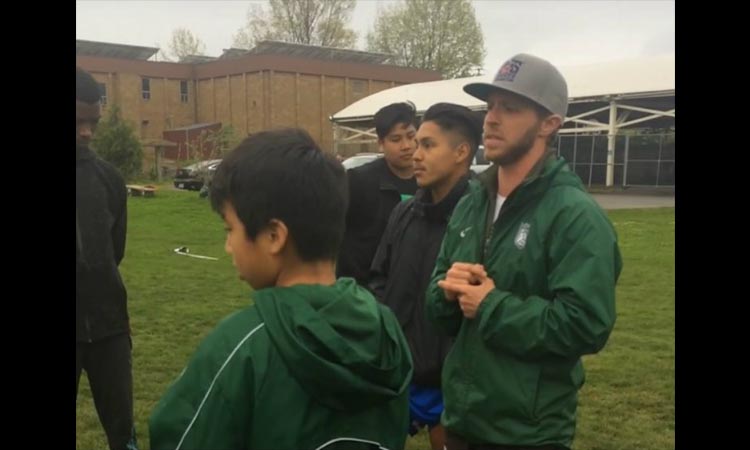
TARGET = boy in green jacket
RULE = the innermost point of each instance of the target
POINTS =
(314, 363)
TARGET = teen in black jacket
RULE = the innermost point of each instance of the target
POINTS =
(405, 259)
(103, 343)
(376, 188)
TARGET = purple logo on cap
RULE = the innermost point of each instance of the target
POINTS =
(509, 70)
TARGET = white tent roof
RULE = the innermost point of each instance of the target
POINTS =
(643, 77)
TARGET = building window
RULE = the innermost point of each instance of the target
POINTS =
(103, 93)
(146, 88)
(183, 91)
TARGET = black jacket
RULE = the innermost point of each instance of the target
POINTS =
(373, 193)
(401, 271)
(101, 220)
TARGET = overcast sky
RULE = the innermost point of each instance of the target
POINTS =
(564, 32)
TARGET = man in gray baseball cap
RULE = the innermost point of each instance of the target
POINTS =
(530, 77)
(525, 279)
(529, 81)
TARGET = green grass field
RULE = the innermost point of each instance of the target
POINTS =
(174, 301)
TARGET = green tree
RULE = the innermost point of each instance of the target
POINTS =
(115, 141)
(220, 142)
(441, 35)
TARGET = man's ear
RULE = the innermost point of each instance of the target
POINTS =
(463, 152)
(550, 124)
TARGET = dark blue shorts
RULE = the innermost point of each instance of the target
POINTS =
(425, 407)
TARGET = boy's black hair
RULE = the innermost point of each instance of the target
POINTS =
(87, 89)
(457, 118)
(284, 175)
(396, 113)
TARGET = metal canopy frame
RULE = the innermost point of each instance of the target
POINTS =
(619, 117)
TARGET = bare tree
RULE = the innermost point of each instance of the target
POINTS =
(314, 22)
(161, 55)
(185, 43)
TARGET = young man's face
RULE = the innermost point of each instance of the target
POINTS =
(511, 127)
(437, 158)
(251, 258)
(87, 118)
(398, 145)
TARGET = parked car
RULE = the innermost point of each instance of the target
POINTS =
(212, 169)
(194, 176)
(478, 166)
(203, 193)
(360, 159)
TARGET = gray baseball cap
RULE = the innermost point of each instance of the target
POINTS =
(531, 77)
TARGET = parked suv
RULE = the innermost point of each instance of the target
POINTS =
(194, 176)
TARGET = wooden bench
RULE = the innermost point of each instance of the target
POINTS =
(136, 190)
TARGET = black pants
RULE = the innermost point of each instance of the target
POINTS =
(109, 369)
(456, 442)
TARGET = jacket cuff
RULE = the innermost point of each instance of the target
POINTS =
(491, 302)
